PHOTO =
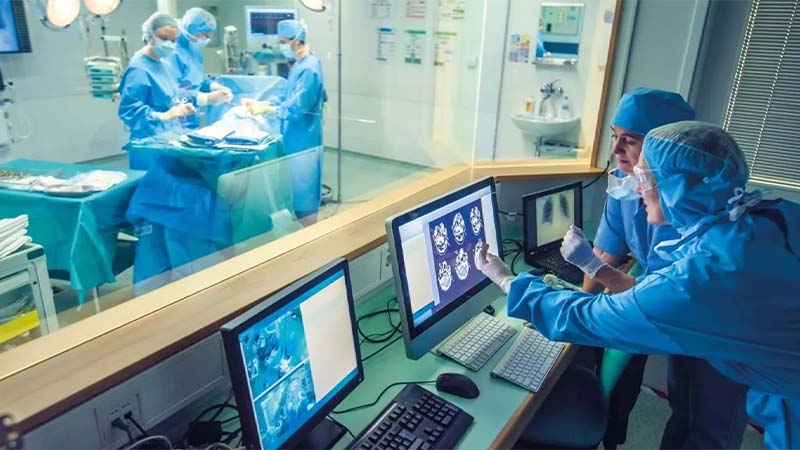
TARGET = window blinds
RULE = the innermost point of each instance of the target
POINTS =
(763, 113)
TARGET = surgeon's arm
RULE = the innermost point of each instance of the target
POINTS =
(601, 320)
(609, 276)
(137, 114)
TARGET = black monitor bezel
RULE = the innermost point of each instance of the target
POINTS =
(20, 28)
(268, 305)
(529, 236)
(410, 329)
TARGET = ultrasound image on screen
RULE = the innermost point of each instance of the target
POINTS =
(455, 240)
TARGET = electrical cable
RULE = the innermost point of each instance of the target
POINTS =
(159, 438)
(368, 357)
(130, 418)
(377, 338)
(342, 425)
(605, 171)
(373, 403)
(120, 425)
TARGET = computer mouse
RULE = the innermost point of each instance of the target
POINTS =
(457, 384)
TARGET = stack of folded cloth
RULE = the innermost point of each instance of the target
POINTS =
(13, 234)
(248, 137)
(209, 136)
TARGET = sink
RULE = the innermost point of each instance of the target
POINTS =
(540, 127)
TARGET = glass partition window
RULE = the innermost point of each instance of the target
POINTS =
(284, 124)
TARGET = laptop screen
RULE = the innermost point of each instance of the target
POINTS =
(548, 214)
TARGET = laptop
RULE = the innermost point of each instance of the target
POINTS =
(546, 217)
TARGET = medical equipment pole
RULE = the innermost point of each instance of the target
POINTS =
(339, 106)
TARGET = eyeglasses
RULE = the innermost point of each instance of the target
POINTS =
(644, 177)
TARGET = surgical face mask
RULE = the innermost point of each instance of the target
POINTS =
(623, 188)
(201, 42)
(286, 48)
(163, 48)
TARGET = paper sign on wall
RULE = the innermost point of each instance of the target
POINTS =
(415, 46)
(445, 48)
(386, 44)
(415, 9)
(451, 9)
(520, 48)
(379, 9)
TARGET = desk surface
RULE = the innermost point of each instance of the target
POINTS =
(501, 411)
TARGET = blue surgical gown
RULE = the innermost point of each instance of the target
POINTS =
(732, 301)
(301, 108)
(623, 228)
(147, 86)
(188, 62)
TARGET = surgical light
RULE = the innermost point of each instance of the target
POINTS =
(314, 5)
(102, 7)
(61, 13)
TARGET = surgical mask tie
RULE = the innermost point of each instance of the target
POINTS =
(741, 201)
(624, 188)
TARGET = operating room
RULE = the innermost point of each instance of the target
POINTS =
(166, 164)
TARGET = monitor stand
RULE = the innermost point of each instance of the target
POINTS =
(323, 436)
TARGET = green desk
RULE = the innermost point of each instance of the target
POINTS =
(501, 411)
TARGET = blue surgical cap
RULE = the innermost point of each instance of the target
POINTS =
(643, 109)
(198, 20)
(292, 29)
(154, 22)
(697, 167)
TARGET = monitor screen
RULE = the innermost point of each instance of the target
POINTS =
(293, 357)
(548, 214)
(264, 21)
(14, 37)
(434, 248)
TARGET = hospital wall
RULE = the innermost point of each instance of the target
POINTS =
(522, 79)
(51, 89)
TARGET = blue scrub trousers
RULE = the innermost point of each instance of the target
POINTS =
(708, 412)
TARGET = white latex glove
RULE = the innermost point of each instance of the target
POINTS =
(257, 108)
(576, 249)
(495, 269)
(218, 87)
(180, 110)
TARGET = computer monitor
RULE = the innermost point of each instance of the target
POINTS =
(292, 358)
(433, 250)
(262, 24)
(548, 214)
(14, 36)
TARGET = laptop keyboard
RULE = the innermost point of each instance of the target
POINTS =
(556, 261)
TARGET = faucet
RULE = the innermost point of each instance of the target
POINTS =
(547, 90)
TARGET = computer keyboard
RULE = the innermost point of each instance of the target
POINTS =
(556, 261)
(415, 419)
(529, 360)
(474, 343)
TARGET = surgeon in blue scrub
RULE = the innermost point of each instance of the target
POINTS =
(150, 102)
(729, 295)
(197, 27)
(707, 407)
(300, 111)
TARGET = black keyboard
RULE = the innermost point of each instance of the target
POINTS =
(556, 261)
(415, 419)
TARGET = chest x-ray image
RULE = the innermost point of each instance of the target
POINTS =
(554, 214)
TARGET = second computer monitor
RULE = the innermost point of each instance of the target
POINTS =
(434, 248)
(292, 358)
